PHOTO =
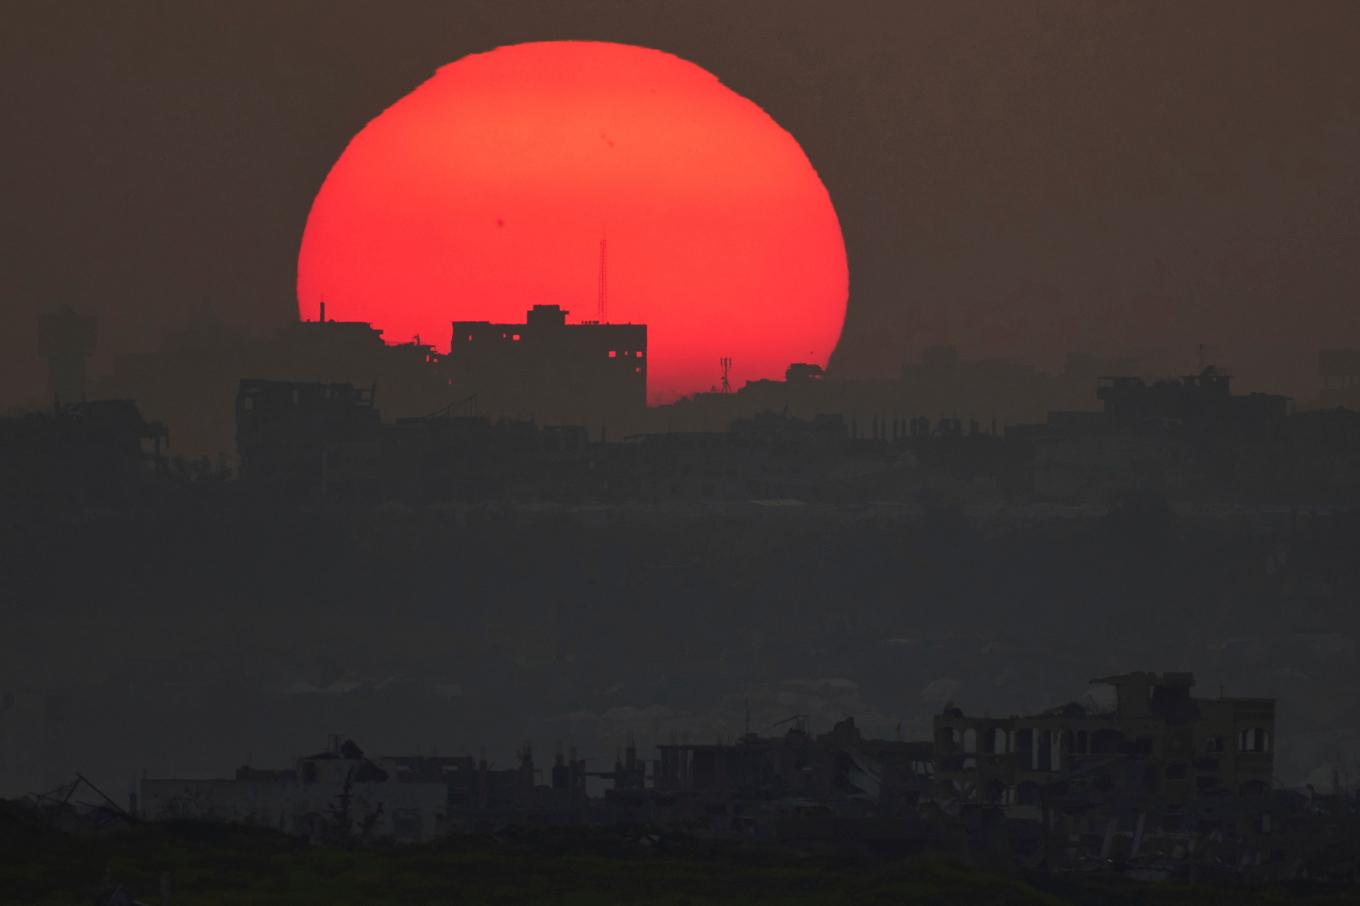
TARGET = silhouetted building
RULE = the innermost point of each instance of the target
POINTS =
(1205, 399)
(942, 384)
(474, 458)
(1190, 436)
(839, 771)
(191, 380)
(66, 339)
(553, 372)
(1339, 370)
(90, 454)
(1158, 757)
(474, 789)
(308, 441)
(1325, 455)
(331, 796)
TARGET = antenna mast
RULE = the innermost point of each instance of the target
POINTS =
(603, 312)
(726, 363)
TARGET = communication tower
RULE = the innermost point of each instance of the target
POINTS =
(602, 314)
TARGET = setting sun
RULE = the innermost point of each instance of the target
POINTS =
(489, 188)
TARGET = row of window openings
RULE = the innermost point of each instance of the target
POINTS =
(326, 393)
(1031, 793)
(1252, 739)
(613, 353)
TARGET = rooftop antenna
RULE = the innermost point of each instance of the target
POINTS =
(603, 311)
(726, 363)
(1202, 351)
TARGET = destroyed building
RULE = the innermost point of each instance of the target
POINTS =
(1157, 759)
(341, 794)
(770, 786)
(1149, 782)
(331, 795)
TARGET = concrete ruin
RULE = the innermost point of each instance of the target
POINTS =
(1154, 783)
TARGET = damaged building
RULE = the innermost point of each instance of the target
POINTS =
(1156, 760)
(1157, 746)
(1146, 780)
(337, 793)
(341, 794)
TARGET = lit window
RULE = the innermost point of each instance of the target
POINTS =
(637, 371)
(638, 353)
(515, 338)
(613, 354)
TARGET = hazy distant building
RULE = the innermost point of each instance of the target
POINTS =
(308, 441)
(1339, 370)
(101, 453)
(474, 458)
(545, 369)
(341, 794)
(66, 339)
(1204, 399)
(1325, 448)
(333, 795)
(1187, 436)
(191, 380)
(941, 385)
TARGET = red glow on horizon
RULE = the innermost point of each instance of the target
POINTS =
(488, 189)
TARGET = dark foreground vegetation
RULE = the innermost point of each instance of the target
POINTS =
(207, 865)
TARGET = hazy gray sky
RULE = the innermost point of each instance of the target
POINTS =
(1020, 179)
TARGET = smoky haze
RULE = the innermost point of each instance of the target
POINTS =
(1094, 416)
(1019, 180)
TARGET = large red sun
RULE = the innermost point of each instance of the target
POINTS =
(489, 187)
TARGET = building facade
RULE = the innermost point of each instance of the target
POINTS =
(1159, 758)
(553, 372)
